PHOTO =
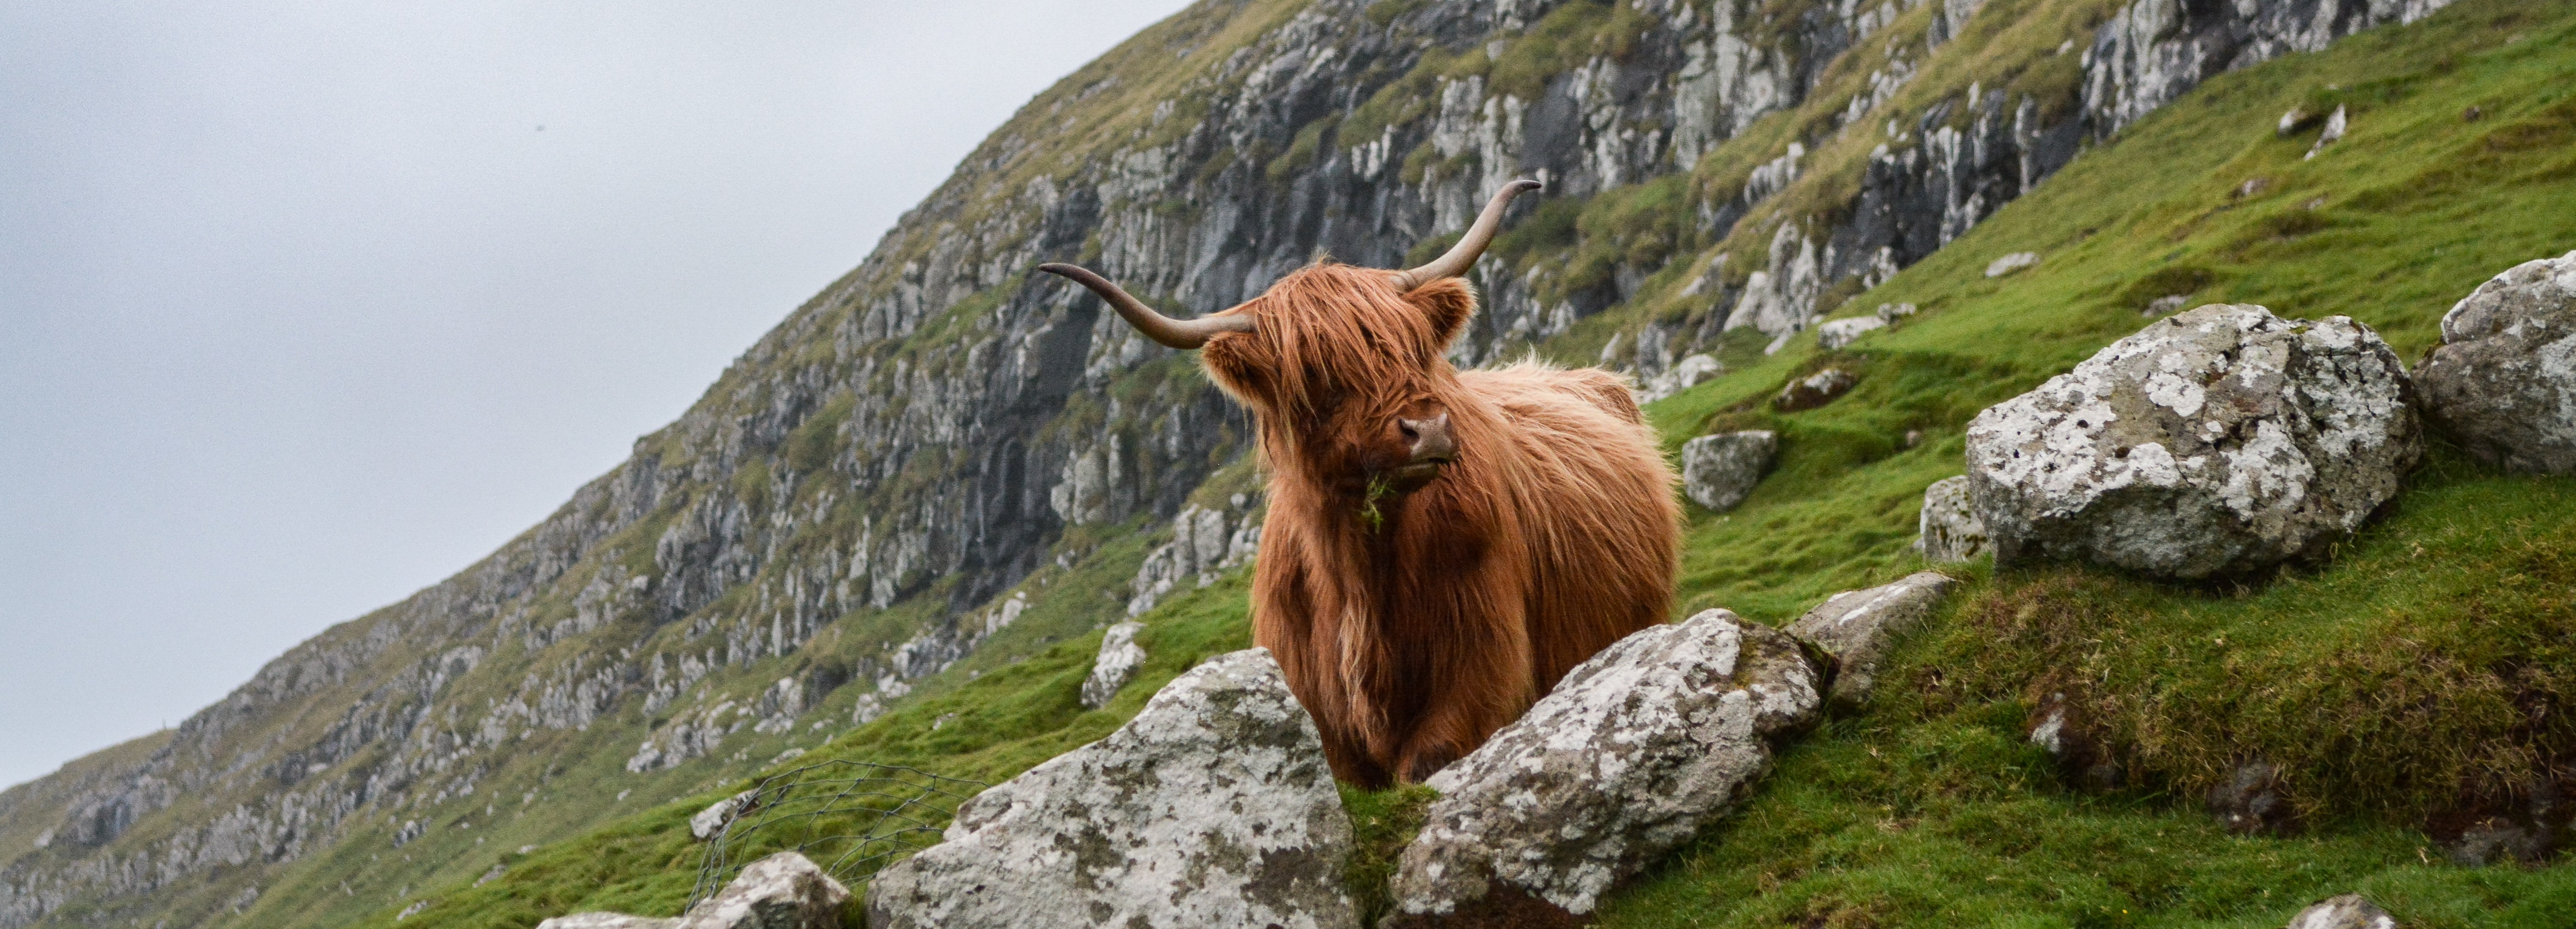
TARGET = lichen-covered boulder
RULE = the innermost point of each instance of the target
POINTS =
(1213, 807)
(2218, 441)
(782, 891)
(1718, 471)
(1950, 531)
(1119, 659)
(2504, 378)
(711, 822)
(1633, 753)
(1859, 628)
(2350, 911)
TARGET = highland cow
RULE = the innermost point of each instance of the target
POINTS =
(1442, 545)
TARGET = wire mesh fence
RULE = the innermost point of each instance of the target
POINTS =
(850, 817)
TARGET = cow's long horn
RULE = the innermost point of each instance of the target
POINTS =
(1464, 254)
(1174, 333)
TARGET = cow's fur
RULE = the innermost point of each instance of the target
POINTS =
(1413, 632)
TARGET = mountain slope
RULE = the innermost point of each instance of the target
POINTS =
(1934, 810)
(938, 467)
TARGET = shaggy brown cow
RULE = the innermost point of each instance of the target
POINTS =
(1442, 545)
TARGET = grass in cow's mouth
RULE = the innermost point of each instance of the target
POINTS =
(1380, 487)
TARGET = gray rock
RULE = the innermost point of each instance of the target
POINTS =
(2526, 825)
(1119, 659)
(2250, 802)
(1205, 542)
(2011, 263)
(609, 921)
(1889, 313)
(2218, 441)
(1213, 807)
(2061, 729)
(1834, 334)
(2350, 911)
(1685, 374)
(2504, 378)
(711, 821)
(782, 891)
(2334, 133)
(1634, 753)
(2169, 303)
(1949, 527)
(1814, 390)
(1718, 471)
(2291, 122)
(1859, 628)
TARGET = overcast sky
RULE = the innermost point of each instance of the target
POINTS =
(306, 305)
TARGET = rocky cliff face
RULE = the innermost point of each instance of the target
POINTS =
(885, 481)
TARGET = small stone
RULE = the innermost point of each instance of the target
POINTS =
(1719, 471)
(609, 921)
(711, 822)
(2170, 303)
(1889, 313)
(1635, 751)
(2251, 187)
(2504, 378)
(2219, 441)
(2063, 731)
(491, 875)
(2350, 911)
(1213, 807)
(1120, 657)
(1834, 334)
(412, 910)
(1685, 374)
(1951, 532)
(2472, 114)
(1814, 390)
(2334, 133)
(2011, 263)
(2293, 121)
(1859, 628)
(2524, 825)
(2250, 802)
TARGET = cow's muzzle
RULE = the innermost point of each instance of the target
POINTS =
(1431, 447)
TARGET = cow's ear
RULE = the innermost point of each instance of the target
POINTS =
(1230, 362)
(1447, 303)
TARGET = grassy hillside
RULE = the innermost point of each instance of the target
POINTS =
(2426, 666)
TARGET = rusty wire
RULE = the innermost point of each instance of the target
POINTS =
(859, 815)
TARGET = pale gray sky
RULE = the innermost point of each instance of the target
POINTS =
(301, 310)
